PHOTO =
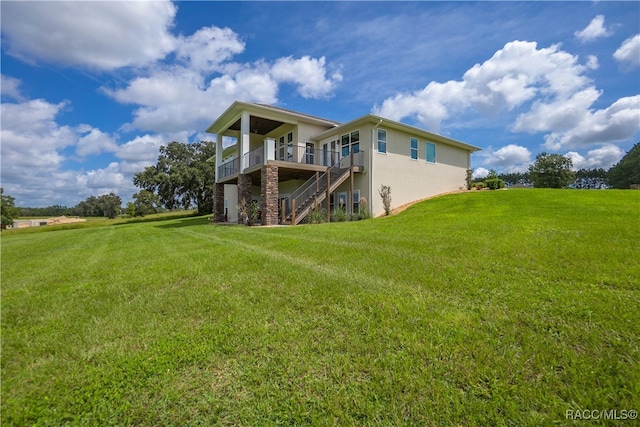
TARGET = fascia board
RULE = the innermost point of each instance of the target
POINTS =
(392, 124)
(231, 115)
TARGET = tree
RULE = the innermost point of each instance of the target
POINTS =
(130, 209)
(145, 203)
(108, 205)
(181, 176)
(8, 209)
(627, 170)
(551, 171)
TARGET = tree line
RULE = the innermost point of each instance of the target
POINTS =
(556, 171)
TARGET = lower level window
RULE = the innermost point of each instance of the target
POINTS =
(342, 201)
(356, 201)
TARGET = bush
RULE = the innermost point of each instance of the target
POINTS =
(363, 213)
(479, 185)
(385, 193)
(317, 216)
(339, 215)
(254, 213)
(494, 183)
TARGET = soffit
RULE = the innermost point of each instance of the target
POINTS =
(258, 125)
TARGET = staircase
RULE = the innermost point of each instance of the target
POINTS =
(313, 192)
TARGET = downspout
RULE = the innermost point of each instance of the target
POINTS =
(372, 189)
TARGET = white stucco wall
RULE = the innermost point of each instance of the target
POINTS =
(412, 180)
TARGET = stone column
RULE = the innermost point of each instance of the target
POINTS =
(244, 194)
(270, 195)
(218, 202)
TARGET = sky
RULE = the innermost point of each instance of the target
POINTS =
(91, 90)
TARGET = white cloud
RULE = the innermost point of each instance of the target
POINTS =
(511, 158)
(560, 114)
(177, 99)
(480, 172)
(592, 62)
(548, 84)
(141, 149)
(594, 30)
(516, 74)
(308, 73)
(209, 47)
(10, 86)
(603, 157)
(181, 98)
(107, 180)
(31, 138)
(618, 122)
(35, 148)
(628, 54)
(100, 35)
(93, 141)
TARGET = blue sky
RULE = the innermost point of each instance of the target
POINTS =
(91, 90)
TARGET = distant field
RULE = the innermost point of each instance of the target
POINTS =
(482, 308)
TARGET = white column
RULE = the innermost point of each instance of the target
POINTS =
(245, 135)
(218, 154)
(269, 149)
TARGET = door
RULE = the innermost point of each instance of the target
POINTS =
(309, 153)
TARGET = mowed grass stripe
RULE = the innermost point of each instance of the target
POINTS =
(493, 308)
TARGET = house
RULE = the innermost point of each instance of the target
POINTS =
(290, 163)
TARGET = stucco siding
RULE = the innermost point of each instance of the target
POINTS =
(415, 179)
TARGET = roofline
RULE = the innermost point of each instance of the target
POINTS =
(388, 123)
(226, 119)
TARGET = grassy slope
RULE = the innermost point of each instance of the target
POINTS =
(490, 308)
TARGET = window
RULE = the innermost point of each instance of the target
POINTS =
(355, 141)
(356, 201)
(431, 152)
(290, 146)
(350, 142)
(309, 153)
(345, 145)
(280, 148)
(342, 201)
(325, 154)
(382, 141)
(414, 148)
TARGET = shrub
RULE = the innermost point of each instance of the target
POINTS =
(254, 212)
(385, 193)
(494, 183)
(363, 213)
(479, 185)
(317, 216)
(339, 215)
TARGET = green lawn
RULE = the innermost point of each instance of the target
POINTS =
(483, 308)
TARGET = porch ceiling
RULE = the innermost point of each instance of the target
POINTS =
(258, 125)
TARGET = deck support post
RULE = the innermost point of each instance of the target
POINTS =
(350, 209)
(329, 195)
(269, 194)
(244, 194)
(218, 202)
(293, 211)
